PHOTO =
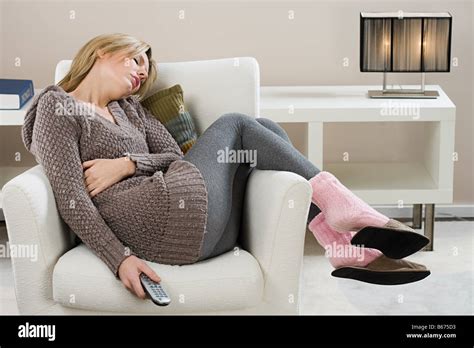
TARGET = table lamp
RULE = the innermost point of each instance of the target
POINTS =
(405, 42)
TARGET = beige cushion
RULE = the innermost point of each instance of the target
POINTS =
(229, 281)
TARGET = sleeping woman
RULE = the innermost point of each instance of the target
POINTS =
(126, 189)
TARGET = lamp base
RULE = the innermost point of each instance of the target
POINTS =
(401, 94)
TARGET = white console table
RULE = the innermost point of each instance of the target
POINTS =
(424, 177)
(12, 118)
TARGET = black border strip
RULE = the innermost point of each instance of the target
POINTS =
(199, 329)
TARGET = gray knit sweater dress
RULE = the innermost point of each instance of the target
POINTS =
(159, 214)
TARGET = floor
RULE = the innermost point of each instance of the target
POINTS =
(448, 290)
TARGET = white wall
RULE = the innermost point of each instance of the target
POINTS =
(308, 50)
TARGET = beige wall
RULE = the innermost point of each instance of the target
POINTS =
(308, 50)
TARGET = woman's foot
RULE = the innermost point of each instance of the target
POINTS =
(394, 239)
(363, 264)
(339, 250)
(344, 211)
(385, 271)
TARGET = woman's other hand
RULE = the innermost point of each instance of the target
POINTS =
(129, 274)
(100, 174)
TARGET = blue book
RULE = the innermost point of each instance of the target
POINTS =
(15, 93)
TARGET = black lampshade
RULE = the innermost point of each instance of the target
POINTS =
(405, 42)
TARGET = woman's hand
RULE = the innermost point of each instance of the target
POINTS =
(129, 274)
(100, 173)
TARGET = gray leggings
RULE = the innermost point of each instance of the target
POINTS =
(226, 181)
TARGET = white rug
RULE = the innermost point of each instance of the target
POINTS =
(448, 290)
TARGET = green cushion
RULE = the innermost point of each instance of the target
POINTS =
(167, 105)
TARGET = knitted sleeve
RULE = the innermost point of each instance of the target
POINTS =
(164, 149)
(56, 148)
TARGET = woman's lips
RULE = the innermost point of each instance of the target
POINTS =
(135, 82)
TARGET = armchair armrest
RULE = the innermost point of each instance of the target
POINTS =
(273, 231)
(34, 225)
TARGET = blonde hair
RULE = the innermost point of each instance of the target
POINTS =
(108, 43)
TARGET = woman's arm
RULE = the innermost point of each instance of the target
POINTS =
(164, 149)
(56, 147)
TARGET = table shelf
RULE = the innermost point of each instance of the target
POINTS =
(389, 182)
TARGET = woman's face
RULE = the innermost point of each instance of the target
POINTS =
(126, 74)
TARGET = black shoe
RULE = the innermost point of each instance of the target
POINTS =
(394, 239)
(384, 271)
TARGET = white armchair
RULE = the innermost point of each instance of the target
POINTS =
(261, 277)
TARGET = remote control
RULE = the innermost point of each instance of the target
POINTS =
(155, 290)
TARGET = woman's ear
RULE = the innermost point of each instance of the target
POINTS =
(100, 53)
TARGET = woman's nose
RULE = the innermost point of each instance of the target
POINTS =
(142, 73)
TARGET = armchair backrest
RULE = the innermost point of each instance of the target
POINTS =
(211, 87)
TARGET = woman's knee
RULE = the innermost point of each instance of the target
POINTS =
(270, 124)
(234, 122)
(274, 127)
(236, 117)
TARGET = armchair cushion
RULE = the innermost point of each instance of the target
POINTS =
(229, 281)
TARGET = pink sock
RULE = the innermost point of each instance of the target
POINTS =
(338, 246)
(343, 210)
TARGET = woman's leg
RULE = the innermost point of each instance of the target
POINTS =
(231, 233)
(265, 150)
(274, 127)
(277, 129)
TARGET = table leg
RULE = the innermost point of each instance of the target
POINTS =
(417, 214)
(315, 143)
(429, 225)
